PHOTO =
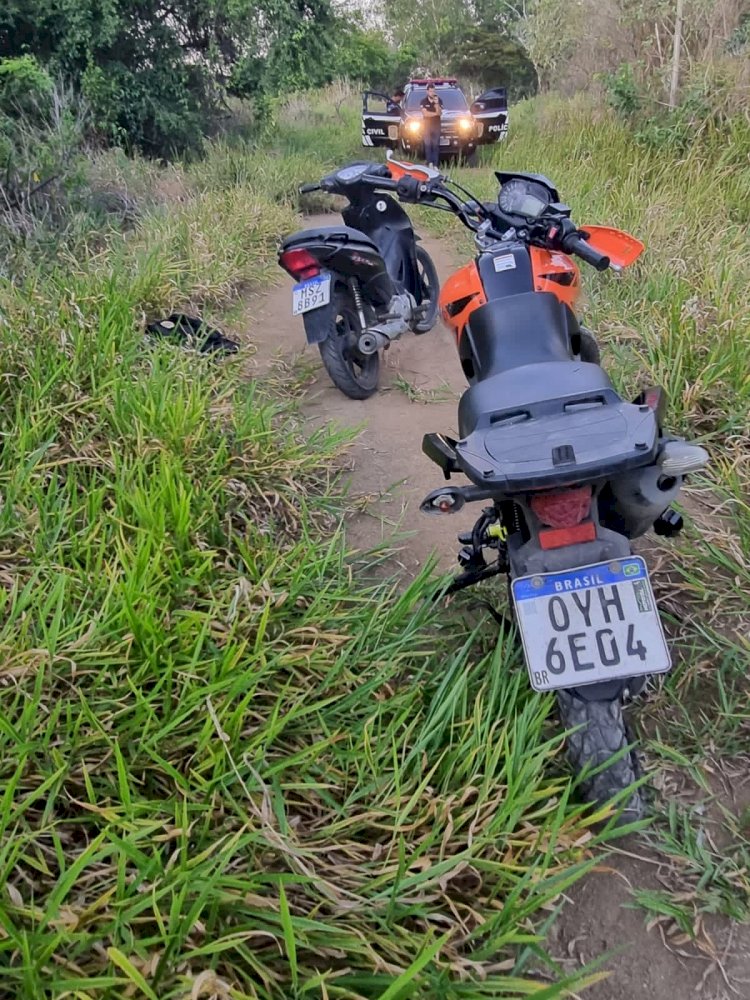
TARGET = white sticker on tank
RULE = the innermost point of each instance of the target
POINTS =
(505, 263)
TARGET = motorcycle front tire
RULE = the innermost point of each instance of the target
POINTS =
(430, 288)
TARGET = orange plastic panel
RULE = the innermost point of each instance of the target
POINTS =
(621, 248)
(555, 272)
(460, 295)
(403, 168)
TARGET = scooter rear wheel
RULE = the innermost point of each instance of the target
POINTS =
(428, 276)
(354, 373)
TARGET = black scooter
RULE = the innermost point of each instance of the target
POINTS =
(363, 284)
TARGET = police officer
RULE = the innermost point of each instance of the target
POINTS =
(394, 104)
(432, 111)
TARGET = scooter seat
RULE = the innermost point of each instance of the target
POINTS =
(329, 234)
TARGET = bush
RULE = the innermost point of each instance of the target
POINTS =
(24, 85)
(623, 92)
(366, 57)
(41, 145)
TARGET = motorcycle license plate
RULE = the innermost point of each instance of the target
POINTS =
(311, 294)
(445, 140)
(594, 623)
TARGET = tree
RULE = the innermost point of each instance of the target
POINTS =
(430, 26)
(494, 59)
(470, 37)
(367, 57)
(154, 71)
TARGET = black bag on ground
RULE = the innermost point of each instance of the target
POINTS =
(192, 332)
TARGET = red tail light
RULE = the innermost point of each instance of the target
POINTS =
(300, 263)
(558, 538)
(563, 509)
(565, 515)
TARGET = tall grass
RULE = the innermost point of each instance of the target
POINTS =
(229, 769)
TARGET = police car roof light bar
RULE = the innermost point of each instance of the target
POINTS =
(448, 81)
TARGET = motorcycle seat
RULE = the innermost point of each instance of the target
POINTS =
(527, 388)
(329, 234)
(517, 330)
(537, 416)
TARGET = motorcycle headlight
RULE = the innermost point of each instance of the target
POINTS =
(465, 124)
(414, 127)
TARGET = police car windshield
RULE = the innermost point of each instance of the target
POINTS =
(452, 98)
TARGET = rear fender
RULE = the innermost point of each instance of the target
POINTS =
(527, 557)
(319, 323)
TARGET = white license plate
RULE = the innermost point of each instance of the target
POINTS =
(311, 294)
(595, 623)
(445, 140)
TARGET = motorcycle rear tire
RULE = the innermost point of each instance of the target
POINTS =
(355, 374)
(588, 348)
(602, 732)
(431, 283)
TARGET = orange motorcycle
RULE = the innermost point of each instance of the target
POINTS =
(569, 472)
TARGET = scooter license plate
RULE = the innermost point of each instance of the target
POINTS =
(311, 294)
(594, 623)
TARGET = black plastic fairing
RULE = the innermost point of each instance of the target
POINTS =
(389, 227)
(506, 271)
(350, 253)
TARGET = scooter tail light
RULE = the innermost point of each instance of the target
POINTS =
(563, 509)
(300, 263)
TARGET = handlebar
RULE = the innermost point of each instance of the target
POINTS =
(473, 214)
(577, 245)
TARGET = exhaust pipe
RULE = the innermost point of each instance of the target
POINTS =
(372, 341)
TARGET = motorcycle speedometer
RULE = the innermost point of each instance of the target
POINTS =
(522, 197)
(352, 172)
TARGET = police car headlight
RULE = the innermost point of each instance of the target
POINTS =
(465, 125)
(414, 127)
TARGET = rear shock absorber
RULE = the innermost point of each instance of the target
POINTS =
(359, 305)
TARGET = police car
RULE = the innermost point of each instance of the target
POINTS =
(463, 126)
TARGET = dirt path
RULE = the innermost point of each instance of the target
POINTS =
(388, 466)
(418, 393)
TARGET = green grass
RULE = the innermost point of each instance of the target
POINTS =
(417, 394)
